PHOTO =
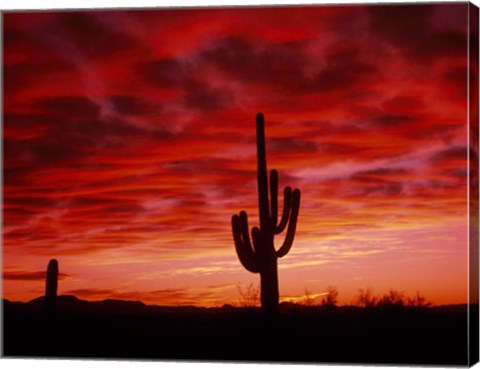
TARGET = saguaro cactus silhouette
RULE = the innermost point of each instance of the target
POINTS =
(259, 255)
(51, 286)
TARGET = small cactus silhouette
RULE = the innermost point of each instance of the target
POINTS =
(51, 286)
(260, 256)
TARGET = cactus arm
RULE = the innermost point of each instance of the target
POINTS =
(273, 198)
(242, 245)
(262, 179)
(257, 242)
(292, 225)
(244, 229)
(287, 203)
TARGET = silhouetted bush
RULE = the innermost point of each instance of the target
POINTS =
(309, 298)
(365, 298)
(393, 298)
(418, 301)
(249, 295)
(331, 299)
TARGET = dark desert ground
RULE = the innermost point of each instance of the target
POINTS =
(307, 334)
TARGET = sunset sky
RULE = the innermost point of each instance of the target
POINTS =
(129, 142)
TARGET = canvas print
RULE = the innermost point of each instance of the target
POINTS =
(292, 184)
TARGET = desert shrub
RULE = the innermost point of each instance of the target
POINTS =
(249, 295)
(309, 298)
(366, 298)
(331, 298)
(392, 298)
(418, 301)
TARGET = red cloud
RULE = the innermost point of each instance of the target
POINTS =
(132, 132)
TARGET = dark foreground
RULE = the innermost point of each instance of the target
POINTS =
(131, 330)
